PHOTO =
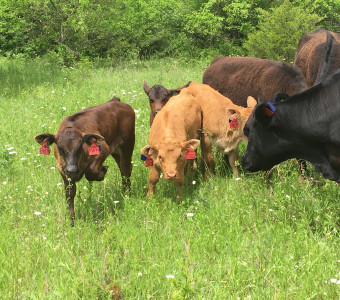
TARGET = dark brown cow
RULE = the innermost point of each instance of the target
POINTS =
(240, 77)
(318, 55)
(84, 140)
(158, 97)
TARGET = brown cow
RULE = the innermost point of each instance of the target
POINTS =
(318, 55)
(239, 77)
(223, 121)
(172, 136)
(158, 97)
(84, 140)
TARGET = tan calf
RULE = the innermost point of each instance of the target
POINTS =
(173, 133)
(223, 121)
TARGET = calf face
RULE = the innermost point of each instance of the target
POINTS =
(71, 150)
(158, 97)
(169, 157)
(265, 148)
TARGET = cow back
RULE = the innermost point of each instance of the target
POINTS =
(240, 77)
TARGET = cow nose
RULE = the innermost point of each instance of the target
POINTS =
(71, 170)
(155, 112)
(171, 175)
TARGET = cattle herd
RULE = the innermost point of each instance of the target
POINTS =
(282, 110)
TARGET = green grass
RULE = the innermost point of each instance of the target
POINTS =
(264, 237)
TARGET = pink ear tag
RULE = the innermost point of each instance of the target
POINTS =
(148, 162)
(94, 149)
(190, 154)
(44, 149)
(233, 123)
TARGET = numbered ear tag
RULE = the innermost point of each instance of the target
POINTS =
(233, 123)
(148, 161)
(44, 149)
(190, 154)
(94, 149)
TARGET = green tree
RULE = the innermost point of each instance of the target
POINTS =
(278, 32)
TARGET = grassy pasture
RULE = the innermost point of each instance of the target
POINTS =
(258, 237)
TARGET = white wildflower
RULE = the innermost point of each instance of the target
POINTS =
(194, 182)
(37, 213)
(238, 178)
(140, 274)
(190, 214)
(170, 276)
(115, 202)
(4, 182)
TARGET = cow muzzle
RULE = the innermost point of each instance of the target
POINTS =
(171, 175)
(70, 171)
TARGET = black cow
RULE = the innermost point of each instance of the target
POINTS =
(305, 126)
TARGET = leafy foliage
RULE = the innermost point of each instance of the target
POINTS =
(67, 31)
(279, 32)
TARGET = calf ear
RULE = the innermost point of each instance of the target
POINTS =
(251, 102)
(193, 144)
(92, 136)
(174, 92)
(146, 87)
(149, 150)
(49, 138)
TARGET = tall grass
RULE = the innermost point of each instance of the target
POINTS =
(260, 237)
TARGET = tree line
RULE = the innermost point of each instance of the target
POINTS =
(66, 31)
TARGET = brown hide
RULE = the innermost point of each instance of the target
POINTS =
(217, 111)
(111, 126)
(318, 55)
(172, 133)
(158, 96)
(239, 77)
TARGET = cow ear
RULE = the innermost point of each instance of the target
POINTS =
(192, 144)
(149, 150)
(174, 92)
(264, 111)
(88, 138)
(146, 87)
(45, 137)
(251, 102)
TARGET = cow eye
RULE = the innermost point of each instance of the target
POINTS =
(151, 101)
(160, 157)
(61, 150)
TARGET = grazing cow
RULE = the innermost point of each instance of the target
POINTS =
(84, 140)
(158, 97)
(305, 126)
(173, 139)
(223, 121)
(239, 77)
(318, 55)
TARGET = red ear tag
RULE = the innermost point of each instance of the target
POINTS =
(267, 111)
(148, 162)
(233, 123)
(190, 154)
(44, 149)
(93, 149)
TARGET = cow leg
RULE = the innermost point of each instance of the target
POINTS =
(233, 157)
(208, 158)
(70, 191)
(153, 179)
(302, 166)
(179, 185)
(125, 167)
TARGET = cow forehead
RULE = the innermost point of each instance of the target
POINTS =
(170, 149)
(69, 135)
(158, 91)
